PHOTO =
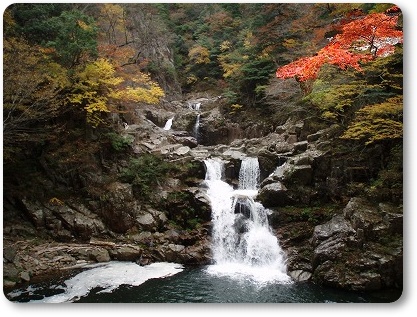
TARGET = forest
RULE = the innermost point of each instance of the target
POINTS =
(68, 67)
(76, 74)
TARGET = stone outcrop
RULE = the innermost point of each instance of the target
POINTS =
(24, 261)
(360, 249)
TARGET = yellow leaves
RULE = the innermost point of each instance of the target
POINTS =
(248, 40)
(378, 122)
(225, 45)
(376, 130)
(230, 70)
(55, 201)
(100, 72)
(99, 105)
(229, 65)
(391, 108)
(55, 75)
(289, 43)
(97, 86)
(199, 55)
(191, 79)
(266, 52)
(234, 108)
(83, 25)
(112, 12)
(151, 94)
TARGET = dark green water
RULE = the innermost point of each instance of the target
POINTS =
(195, 285)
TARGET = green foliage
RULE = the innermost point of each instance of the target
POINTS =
(120, 142)
(75, 37)
(368, 104)
(388, 185)
(32, 20)
(179, 205)
(145, 173)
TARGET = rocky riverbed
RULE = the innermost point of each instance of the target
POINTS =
(331, 236)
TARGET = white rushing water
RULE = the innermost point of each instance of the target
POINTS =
(168, 124)
(196, 127)
(109, 276)
(243, 243)
(249, 174)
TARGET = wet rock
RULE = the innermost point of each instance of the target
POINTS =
(299, 174)
(189, 141)
(118, 210)
(146, 221)
(173, 252)
(292, 139)
(11, 273)
(300, 275)
(173, 235)
(337, 229)
(144, 237)
(35, 211)
(24, 276)
(268, 161)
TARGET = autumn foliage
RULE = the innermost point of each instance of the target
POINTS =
(360, 40)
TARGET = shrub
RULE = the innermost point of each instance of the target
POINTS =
(145, 173)
(120, 142)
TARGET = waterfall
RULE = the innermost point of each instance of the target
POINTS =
(196, 127)
(249, 174)
(243, 244)
(168, 124)
(197, 106)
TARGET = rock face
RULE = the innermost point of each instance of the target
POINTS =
(360, 249)
(357, 246)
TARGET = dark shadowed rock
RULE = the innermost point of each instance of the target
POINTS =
(355, 250)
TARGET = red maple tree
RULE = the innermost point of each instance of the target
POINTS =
(362, 39)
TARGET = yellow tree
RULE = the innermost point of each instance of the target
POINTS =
(111, 21)
(97, 90)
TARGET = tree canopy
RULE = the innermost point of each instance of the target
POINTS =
(360, 40)
(70, 67)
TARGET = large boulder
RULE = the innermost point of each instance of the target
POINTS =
(360, 249)
(119, 207)
(273, 195)
(150, 219)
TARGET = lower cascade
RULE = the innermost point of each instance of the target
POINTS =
(243, 243)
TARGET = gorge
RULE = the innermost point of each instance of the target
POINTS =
(174, 152)
(236, 201)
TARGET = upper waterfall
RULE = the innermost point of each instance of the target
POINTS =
(249, 174)
(168, 124)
